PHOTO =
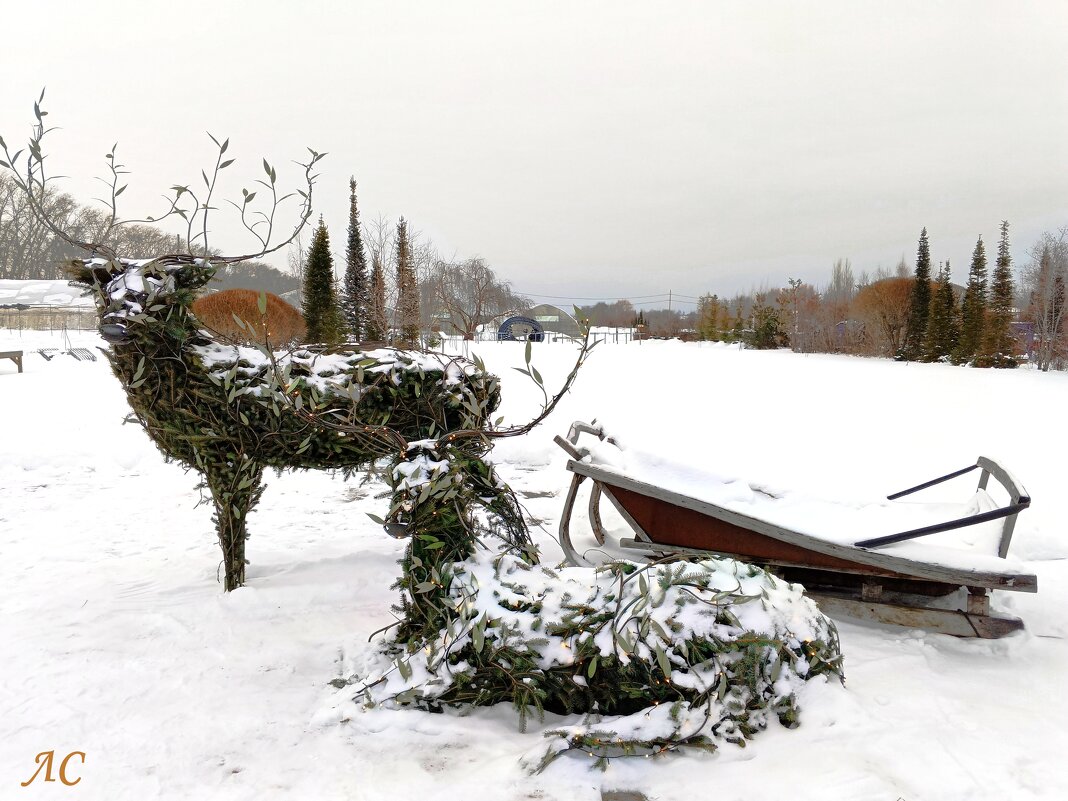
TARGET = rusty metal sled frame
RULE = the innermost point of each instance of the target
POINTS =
(850, 580)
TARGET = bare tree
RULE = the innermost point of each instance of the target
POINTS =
(669, 322)
(618, 314)
(834, 332)
(1044, 285)
(425, 258)
(378, 236)
(469, 294)
(29, 249)
(800, 315)
(297, 260)
(377, 329)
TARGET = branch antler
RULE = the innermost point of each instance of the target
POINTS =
(31, 178)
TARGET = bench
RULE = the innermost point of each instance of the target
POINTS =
(14, 355)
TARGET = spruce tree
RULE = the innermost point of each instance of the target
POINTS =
(319, 305)
(973, 308)
(407, 289)
(355, 295)
(377, 326)
(999, 343)
(942, 320)
(707, 317)
(920, 302)
(767, 326)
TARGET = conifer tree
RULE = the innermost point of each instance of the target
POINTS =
(407, 289)
(942, 320)
(973, 308)
(708, 317)
(920, 302)
(377, 328)
(767, 326)
(355, 295)
(320, 307)
(999, 344)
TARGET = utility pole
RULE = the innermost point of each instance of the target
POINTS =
(669, 300)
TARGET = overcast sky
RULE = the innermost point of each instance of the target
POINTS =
(584, 149)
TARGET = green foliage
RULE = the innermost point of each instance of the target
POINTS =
(766, 331)
(942, 327)
(356, 292)
(999, 344)
(712, 318)
(320, 309)
(919, 303)
(407, 289)
(664, 642)
(973, 308)
(447, 499)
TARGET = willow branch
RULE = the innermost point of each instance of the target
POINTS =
(34, 184)
(547, 409)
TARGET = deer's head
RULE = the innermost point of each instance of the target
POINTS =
(147, 296)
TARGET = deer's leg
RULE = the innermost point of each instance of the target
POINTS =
(235, 486)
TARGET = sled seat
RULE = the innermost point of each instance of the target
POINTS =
(938, 575)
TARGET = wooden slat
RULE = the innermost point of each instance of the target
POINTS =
(945, 621)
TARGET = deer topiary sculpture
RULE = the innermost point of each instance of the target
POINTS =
(229, 411)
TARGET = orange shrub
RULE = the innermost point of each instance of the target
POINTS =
(883, 308)
(216, 313)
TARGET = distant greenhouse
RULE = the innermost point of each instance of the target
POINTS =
(550, 323)
(554, 320)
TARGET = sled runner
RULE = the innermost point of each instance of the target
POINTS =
(929, 565)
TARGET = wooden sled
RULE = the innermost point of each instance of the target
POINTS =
(854, 579)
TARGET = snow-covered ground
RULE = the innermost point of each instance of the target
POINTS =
(117, 641)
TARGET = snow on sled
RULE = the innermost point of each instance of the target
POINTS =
(920, 565)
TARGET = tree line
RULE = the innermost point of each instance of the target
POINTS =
(395, 286)
(918, 316)
(30, 250)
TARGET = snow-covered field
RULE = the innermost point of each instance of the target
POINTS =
(116, 640)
